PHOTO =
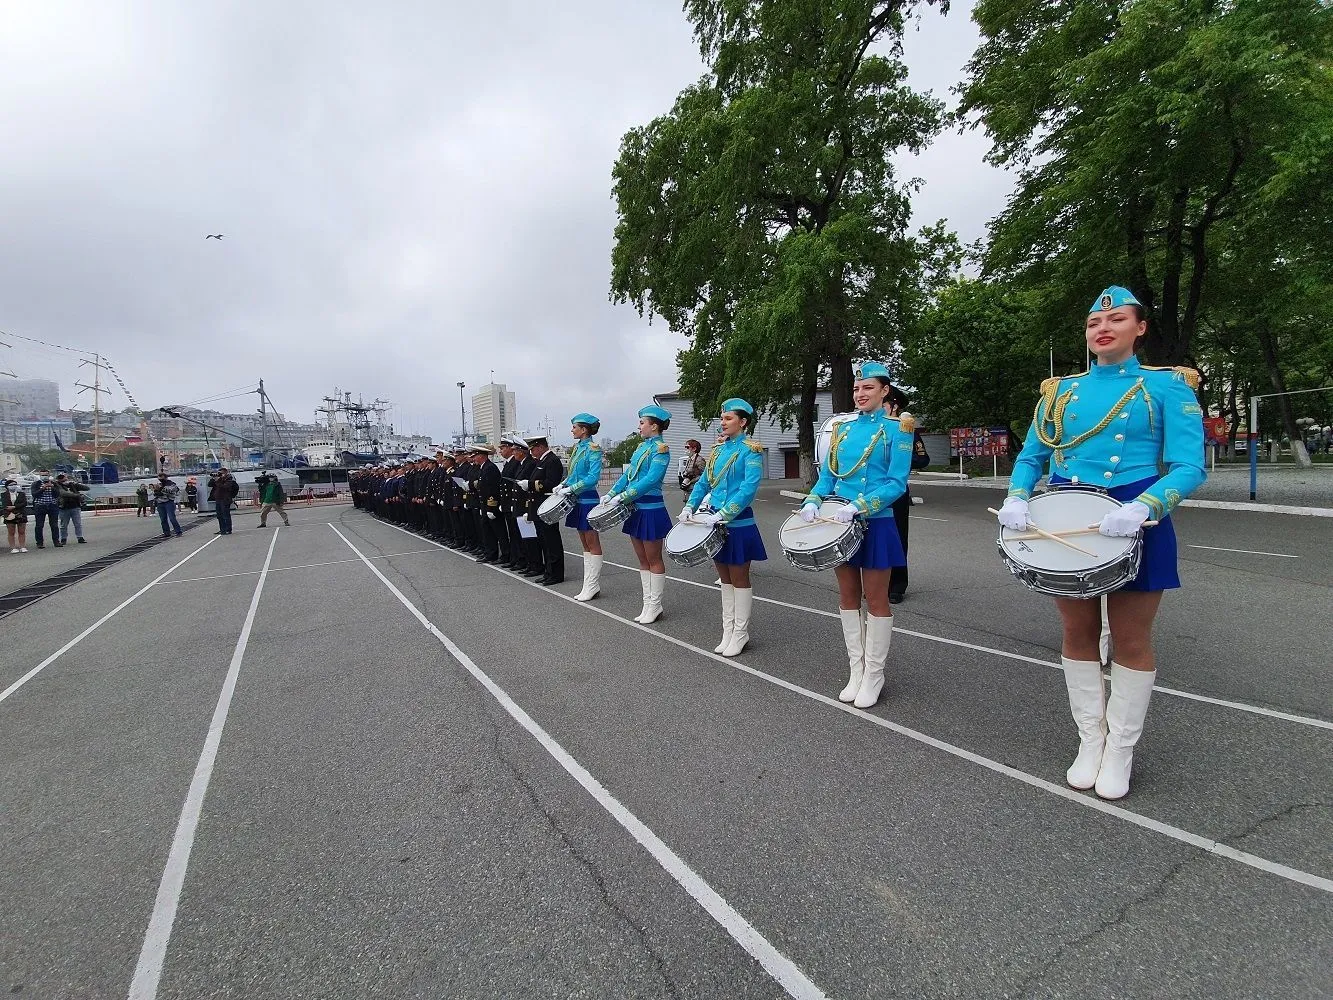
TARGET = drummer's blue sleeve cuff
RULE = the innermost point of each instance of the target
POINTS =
(813, 498)
(1157, 507)
(1020, 492)
(731, 510)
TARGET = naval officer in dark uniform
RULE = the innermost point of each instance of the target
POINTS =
(548, 472)
(486, 489)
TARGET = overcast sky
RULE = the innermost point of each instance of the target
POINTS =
(412, 194)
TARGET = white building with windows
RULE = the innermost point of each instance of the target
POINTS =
(29, 399)
(494, 412)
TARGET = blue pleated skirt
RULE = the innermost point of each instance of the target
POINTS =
(881, 548)
(650, 522)
(744, 543)
(578, 517)
(1157, 568)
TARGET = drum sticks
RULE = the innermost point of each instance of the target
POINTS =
(1041, 532)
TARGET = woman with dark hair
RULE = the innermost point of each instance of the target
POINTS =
(585, 469)
(731, 479)
(1111, 427)
(691, 465)
(641, 484)
(867, 465)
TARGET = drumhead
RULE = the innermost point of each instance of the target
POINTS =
(549, 504)
(1061, 510)
(800, 536)
(686, 536)
(602, 508)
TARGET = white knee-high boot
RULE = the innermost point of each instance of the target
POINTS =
(728, 616)
(1131, 690)
(740, 633)
(644, 577)
(653, 608)
(854, 638)
(879, 633)
(592, 577)
(1087, 704)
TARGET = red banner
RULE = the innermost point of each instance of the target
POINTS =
(1215, 430)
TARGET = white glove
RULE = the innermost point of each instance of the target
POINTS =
(845, 513)
(561, 490)
(610, 498)
(711, 518)
(1125, 521)
(1014, 514)
(809, 512)
(490, 515)
(686, 514)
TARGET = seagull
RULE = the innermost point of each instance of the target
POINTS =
(217, 237)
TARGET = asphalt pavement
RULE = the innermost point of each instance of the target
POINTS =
(346, 762)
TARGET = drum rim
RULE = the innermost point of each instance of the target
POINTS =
(1063, 488)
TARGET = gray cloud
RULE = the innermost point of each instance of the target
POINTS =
(411, 196)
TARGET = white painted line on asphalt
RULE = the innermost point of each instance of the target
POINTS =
(283, 569)
(922, 517)
(1244, 552)
(95, 625)
(148, 970)
(776, 964)
(1270, 713)
(1260, 508)
(1176, 833)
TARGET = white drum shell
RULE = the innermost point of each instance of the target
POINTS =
(816, 546)
(1049, 567)
(693, 544)
(606, 517)
(554, 508)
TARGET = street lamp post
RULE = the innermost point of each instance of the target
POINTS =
(462, 413)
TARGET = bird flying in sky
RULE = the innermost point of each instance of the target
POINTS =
(217, 237)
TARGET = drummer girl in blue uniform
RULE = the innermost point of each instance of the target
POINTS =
(585, 469)
(867, 465)
(641, 484)
(731, 479)
(1110, 427)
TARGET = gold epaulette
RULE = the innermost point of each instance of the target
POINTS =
(1050, 384)
(1182, 373)
(753, 445)
(662, 448)
(594, 446)
(906, 422)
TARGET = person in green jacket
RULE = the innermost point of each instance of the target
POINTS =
(272, 496)
(141, 494)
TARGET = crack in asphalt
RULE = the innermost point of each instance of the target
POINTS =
(587, 863)
(1282, 813)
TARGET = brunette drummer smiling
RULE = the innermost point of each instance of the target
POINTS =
(731, 478)
(867, 465)
(1109, 428)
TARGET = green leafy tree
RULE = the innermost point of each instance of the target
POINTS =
(1141, 132)
(620, 455)
(134, 456)
(761, 216)
(34, 456)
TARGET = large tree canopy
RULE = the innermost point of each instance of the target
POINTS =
(1144, 132)
(761, 217)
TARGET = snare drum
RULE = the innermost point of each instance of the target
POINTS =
(606, 516)
(692, 543)
(819, 545)
(1048, 567)
(555, 507)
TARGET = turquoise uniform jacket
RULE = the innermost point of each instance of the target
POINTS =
(641, 481)
(1112, 425)
(585, 467)
(732, 476)
(867, 464)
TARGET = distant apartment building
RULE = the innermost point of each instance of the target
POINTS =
(494, 412)
(28, 398)
(42, 433)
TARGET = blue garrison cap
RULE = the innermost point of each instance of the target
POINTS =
(1113, 298)
(584, 418)
(873, 369)
(736, 403)
(656, 413)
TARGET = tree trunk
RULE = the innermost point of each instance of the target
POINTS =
(805, 422)
(1268, 344)
(840, 383)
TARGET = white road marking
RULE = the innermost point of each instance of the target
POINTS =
(1176, 833)
(1271, 713)
(97, 624)
(283, 569)
(148, 970)
(1244, 552)
(922, 517)
(776, 964)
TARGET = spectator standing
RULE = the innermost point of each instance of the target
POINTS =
(896, 405)
(273, 496)
(691, 466)
(222, 490)
(191, 494)
(14, 512)
(141, 494)
(69, 494)
(166, 492)
(46, 506)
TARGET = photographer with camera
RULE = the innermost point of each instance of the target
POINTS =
(69, 495)
(222, 490)
(164, 494)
